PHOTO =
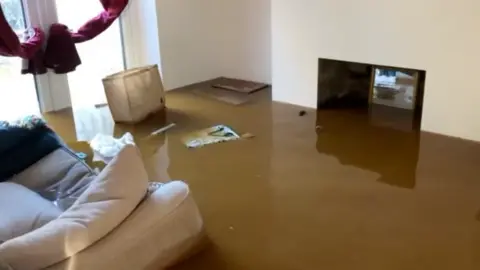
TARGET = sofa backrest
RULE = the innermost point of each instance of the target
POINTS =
(23, 146)
(60, 177)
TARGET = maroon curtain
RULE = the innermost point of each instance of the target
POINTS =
(11, 46)
(94, 27)
(60, 53)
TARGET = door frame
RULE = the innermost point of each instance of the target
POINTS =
(52, 89)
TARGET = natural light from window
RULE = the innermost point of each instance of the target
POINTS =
(18, 94)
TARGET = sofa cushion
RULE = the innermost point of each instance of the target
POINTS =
(109, 199)
(24, 142)
(22, 211)
(60, 176)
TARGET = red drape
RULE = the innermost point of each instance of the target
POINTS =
(94, 27)
(60, 53)
(11, 46)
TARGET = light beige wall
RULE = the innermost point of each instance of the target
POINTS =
(245, 39)
(186, 28)
(439, 36)
(140, 34)
(201, 40)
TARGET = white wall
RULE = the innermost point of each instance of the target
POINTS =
(201, 40)
(439, 36)
(245, 39)
(140, 34)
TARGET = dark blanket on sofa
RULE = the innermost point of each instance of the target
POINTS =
(23, 143)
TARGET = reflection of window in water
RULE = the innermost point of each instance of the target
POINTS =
(388, 73)
(385, 76)
(394, 88)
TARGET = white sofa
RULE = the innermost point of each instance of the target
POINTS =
(60, 215)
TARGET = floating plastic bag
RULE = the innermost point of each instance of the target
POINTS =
(106, 147)
(212, 135)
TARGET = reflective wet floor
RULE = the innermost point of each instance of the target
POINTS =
(351, 194)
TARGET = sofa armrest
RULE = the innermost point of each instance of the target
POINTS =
(108, 201)
(159, 232)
